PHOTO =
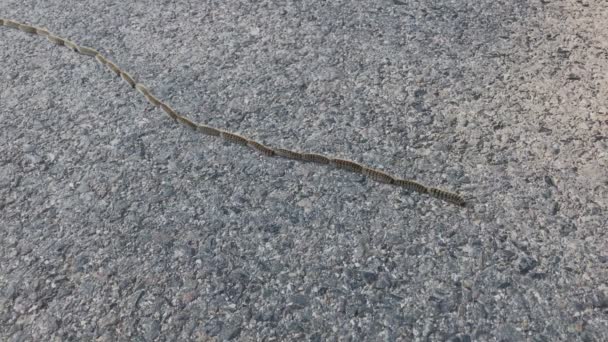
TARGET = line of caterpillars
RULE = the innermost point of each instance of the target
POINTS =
(343, 164)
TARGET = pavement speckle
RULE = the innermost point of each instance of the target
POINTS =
(119, 224)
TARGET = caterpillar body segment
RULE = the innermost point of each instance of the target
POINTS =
(1, 21)
(127, 78)
(281, 152)
(70, 45)
(27, 28)
(208, 130)
(142, 89)
(101, 59)
(11, 23)
(87, 51)
(42, 32)
(315, 158)
(234, 138)
(56, 40)
(113, 67)
(447, 196)
(378, 175)
(170, 111)
(346, 165)
(153, 100)
(411, 185)
(186, 122)
(267, 151)
(146, 93)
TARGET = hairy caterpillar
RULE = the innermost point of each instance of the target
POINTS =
(411, 185)
(142, 89)
(70, 45)
(234, 138)
(11, 23)
(127, 78)
(173, 114)
(447, 196)
(87, 51)
(54, 39)
(186, 122)
(281, 152)
(208, 130)
(145, 92)
(101, 59)
(27, 28)
(346, 165)
(378, 175)
(315, 158)
(153, 99)
(42, 32)
(261, 148)
(113, 67)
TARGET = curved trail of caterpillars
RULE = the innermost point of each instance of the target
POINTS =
(343, 164)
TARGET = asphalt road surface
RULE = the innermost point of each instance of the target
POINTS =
(119, 224)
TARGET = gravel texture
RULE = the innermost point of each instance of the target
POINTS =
(118, 224)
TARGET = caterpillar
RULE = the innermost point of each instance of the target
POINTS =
(42, 32)
(87, 51)
(27, 28)
(142, 89)
(234, 138)
(11, 23)
(113, 67)
(315, 158)
(411, 185)
(54, 39)
(346, 165)
(128, 78)
(343, 164)
(446, 196)
(146, 93)
(378, 175)
(101, 59)
(281, 152)
(172, 113)
(261, 148)
(208, 130)
(70, 45)
(186, 122)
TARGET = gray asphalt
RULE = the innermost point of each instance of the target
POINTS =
(117, 224)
